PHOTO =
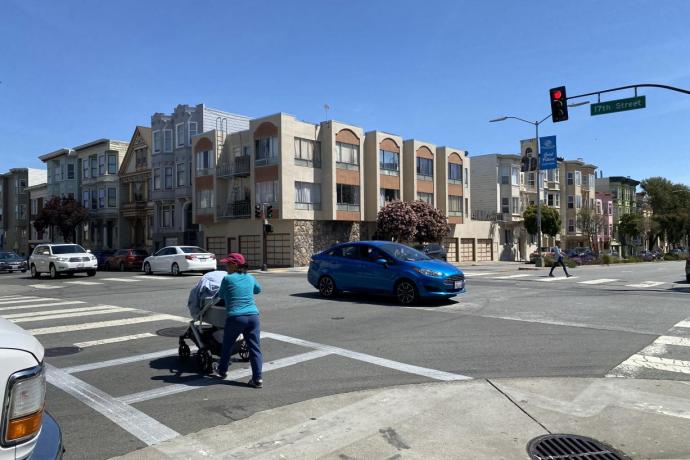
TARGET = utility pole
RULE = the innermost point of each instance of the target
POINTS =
(264, 225)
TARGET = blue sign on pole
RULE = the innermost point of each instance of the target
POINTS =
(547, 152)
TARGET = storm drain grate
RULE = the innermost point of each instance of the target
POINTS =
(172, 331)
(61, 351)
(570, 447)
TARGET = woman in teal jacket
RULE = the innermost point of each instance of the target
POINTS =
(237, 290)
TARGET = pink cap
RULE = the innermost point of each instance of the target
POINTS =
(234, 258)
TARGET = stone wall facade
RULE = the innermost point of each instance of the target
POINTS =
(311, 237)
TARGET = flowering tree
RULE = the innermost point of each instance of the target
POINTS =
(397, 221)
(64, 213)
(432, 224)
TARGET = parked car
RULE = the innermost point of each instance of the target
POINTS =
(11, 261)
(687, 270)
(102, 256)
(28, 431)
(382, 267)
(433, 250)
(126, 259)
(56, 259)
(179, 259)
(545, 251)
(579, 252)
(648, 256)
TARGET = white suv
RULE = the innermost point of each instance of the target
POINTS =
(55, 259)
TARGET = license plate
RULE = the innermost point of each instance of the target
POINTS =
(80, 265)
(459, 284)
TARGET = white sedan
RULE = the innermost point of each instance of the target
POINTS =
(179, 259)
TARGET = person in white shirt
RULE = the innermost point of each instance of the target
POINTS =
(558, 260)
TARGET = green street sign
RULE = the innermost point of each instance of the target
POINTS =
(619, 105)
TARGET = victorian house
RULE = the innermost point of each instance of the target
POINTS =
(136, 208)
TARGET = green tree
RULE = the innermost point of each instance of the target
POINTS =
(397, 221)
(432, 224)
(629, 226)
(550, 220)
(670, 204)
(65, 214)
(591, 223)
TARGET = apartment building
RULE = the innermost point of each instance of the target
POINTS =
(15, 207)
(64, 173)
(579, 193)
(323, 183)
(136, 207)
(604, 208)
(623, 192)
(99, 163)
(172, 168)
(38, 196)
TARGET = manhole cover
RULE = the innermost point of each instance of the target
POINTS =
(570, 447)
(172, 331)
(337, 317)
(61, 351)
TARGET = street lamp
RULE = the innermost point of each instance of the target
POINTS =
(540, 261)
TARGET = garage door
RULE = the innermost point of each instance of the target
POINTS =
(216, 245)
(278, 249)
(250, 247)
(451, 245)
(466, 249)
(484, 248)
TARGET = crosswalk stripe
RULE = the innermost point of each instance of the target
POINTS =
(16, 296)
(646, 284)
(83, 283)
(153, 277)
(672, 340)
(599, 281)
(470, 274)
(73, 315)
(121, 280)
(45, 286)
(57, 312)
(556, 278)
(102, 324)
(654, 362)
(37, 305)
(684, 323)
(124, 338)
(25, 300)
(520, 275)
(120, 361)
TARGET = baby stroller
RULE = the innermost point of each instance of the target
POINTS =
(206, 331)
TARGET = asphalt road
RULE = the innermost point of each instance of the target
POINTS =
(510, 324)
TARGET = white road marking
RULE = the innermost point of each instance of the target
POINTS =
(57, 312)
(520, 275)
(121, 280)
(402, 367)
(470, 274)
(637, 361)
(15, 296)
(121, 361)
(38, 305)
(646, 284)
(684, 323)
(25, 300)
(556, 278)
(145, 428)
(672, 340)
(83, 283)
(599, 281)
(46, 286)
(102, 324)
(73, 315)
(153, 277)
(124, 338)
(233, 375)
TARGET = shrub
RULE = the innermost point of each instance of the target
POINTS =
(672, 257)
(548, 262)
(606, 259)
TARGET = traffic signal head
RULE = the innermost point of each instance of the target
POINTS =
(268, 228)
(257, 211)
(559, 104)
(269, 211)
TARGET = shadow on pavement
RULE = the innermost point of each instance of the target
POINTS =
(185, 372)
(372, 299)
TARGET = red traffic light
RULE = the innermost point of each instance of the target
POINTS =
(559, 107)
(557, 94)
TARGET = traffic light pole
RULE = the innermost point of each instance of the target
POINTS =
(264, 221)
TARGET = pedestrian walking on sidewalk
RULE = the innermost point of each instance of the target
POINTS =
(237, 290)
(558, 260)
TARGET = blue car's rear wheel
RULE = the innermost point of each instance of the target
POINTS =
(327, 287)
(406, 292)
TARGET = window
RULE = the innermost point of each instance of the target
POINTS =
(389, 162)
(571, 201)
(57, 174)
(179, 134)
(166, 216)
(101, 165)
(180, 175)
(599, 207)
(205, 199)
(507, 236)
(515, 205)
(388, 195)
(156, 141)
(578, 178)
(505, 175)
(307, 153)
(266, 150)
(505, 205)
(515, 175)
(101, 198)
(267, 192)
(307, 196)
(347, 197)
(85, 169)
(204, 163)
(346, 155)
(530, 179)
(554, 199)
(168, 181)
(112, 197)
(85, 199)
(467, 206)
(571, 225)
(610, 208)
(426, 197)
(192, 131)
(467, 177)
(94, 203)
(592, 180)
(167, 140)
(570, 178)
(94, 166)
(425, 168)
(70, 171)
(454, 205)
(454, 173)
(578, 201)
(156, 178)
(112, 164)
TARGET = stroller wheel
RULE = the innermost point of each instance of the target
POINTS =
(184, 352)
(204, 360)
(244, 350)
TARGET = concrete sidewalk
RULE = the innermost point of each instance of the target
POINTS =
(474, 420)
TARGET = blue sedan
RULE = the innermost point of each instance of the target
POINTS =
(384, 267)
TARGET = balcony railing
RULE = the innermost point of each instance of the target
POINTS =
(235, 210)
(239, 166)
(347, 207)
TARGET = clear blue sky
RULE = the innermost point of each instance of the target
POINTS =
(74, 71)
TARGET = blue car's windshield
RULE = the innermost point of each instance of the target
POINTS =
(402, 252)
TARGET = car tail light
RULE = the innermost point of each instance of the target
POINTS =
(24, 402)
(131, 258)
(212, 256)
(190, 257)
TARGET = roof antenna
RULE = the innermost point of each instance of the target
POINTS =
(326, 108)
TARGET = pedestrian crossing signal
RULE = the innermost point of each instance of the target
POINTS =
(269, 212)
(257, 211)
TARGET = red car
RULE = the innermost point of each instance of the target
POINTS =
(126, 259)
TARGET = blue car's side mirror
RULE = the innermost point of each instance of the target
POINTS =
(382, 261)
